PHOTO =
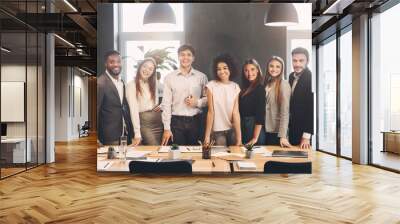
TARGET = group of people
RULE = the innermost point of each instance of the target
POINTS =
(264, 110)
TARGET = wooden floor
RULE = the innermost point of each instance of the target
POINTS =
(386, 159)
(70, 191)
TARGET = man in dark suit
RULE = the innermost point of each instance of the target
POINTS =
(113, 113)
(301, 121)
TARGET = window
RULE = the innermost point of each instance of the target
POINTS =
(385, 85)
(327, 96)
(136, 50)
(346, 94)
(132, 19)
(137, 39)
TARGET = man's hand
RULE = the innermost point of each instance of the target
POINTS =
(305, 143)
(191, 101)
(166, 136)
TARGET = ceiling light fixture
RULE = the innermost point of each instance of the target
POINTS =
(5, 50)
(157, 13)
(284, 14)
(84, 71)
(70, 5)
(65, 41)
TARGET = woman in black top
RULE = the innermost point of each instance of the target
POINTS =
(252, 103)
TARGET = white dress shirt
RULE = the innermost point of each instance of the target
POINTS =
(176, 88)
(139, 104)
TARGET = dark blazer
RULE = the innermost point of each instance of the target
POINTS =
(301, 107)
(110, 112)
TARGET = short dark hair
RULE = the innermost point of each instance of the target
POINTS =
(301, 50)
(229, 61)
(109, 53)
(186, 47)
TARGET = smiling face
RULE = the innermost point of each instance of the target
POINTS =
(186, 58)
(147, 70)
(113, 64)
(223, 72)
(274, 68)
(251, 72)
(299, 62)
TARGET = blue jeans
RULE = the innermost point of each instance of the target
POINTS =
(247, 125)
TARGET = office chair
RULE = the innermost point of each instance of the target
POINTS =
(287, 168)
(84, 130)
(177, 166)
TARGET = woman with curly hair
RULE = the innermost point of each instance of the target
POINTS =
(223, 118)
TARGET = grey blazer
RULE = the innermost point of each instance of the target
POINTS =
(277, 118)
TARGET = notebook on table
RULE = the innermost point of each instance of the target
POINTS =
(246, 165)
(293, 154)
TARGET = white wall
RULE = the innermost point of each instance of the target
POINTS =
(71, 94)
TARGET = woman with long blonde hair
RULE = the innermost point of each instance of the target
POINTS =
(277, 95)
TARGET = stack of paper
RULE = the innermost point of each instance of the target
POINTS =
(183, 149)
(134, 154)
(246, 165)
(102, 150)
(256, 149)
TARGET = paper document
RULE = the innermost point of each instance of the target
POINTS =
(246, 165)
(183, 149)
(256, 149)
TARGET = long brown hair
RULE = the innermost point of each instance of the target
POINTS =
(247, 86)
(270, 80)
(152, 79)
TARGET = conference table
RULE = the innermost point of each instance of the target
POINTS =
(224, 160)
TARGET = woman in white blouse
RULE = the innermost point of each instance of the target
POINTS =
(142, 96)
(223, 118)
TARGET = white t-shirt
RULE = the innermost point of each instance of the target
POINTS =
(224, 95)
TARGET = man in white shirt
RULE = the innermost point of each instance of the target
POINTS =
(113, 113)
(301, 120)
(183, 98)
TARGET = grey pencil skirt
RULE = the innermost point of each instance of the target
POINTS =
(151, 127)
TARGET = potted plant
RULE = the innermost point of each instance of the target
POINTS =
(249, 150)
(174, 153)
(163, 59)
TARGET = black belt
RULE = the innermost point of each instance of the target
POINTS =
(186, 118)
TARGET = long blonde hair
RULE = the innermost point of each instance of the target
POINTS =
(269, 79)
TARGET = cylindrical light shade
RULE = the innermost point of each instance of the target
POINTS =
(284, 14)
(159, 13)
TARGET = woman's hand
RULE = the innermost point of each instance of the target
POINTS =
(253, 141)
(136, 141)
(206, 140)
(285, 143)
(157, 108)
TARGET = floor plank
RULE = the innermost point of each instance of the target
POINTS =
(71, 191)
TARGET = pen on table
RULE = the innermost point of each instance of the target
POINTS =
(106, 165)
(188, 148)
(213, 164)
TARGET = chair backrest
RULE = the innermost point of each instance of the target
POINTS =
(179, 166)
(286, 168)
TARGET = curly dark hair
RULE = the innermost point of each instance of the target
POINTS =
(228, 60)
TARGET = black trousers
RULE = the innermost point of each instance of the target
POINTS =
(185, 130)
(272, 138)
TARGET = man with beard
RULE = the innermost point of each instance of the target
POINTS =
(301, 120)
(113, 113)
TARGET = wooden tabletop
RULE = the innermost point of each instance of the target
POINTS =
(217, 164)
